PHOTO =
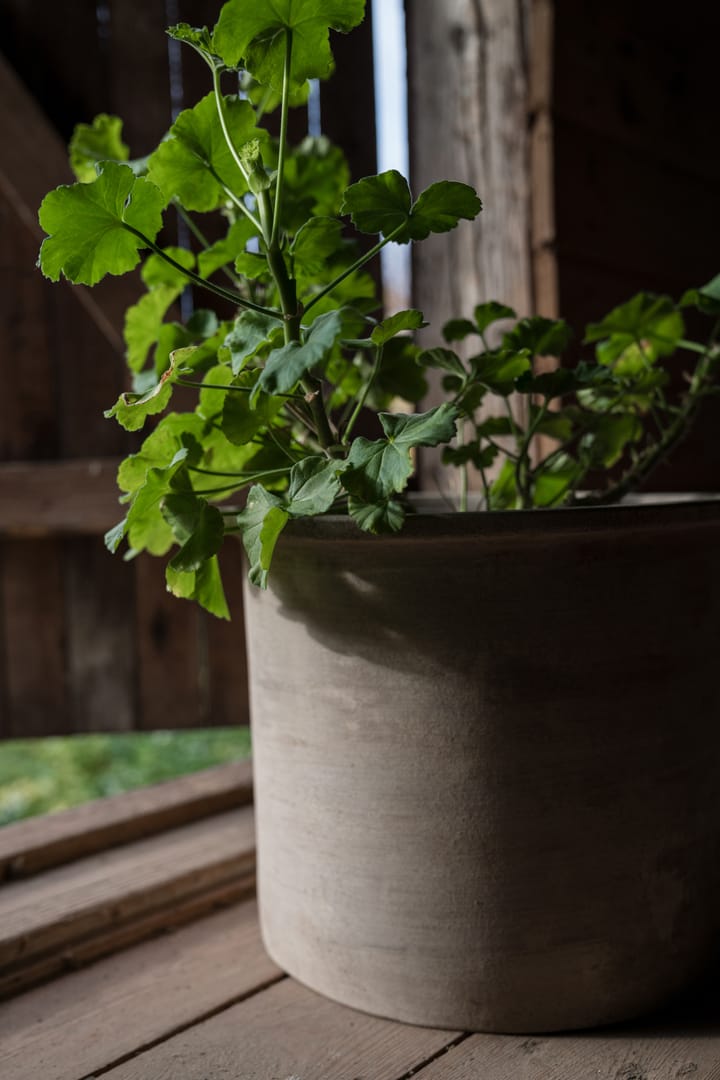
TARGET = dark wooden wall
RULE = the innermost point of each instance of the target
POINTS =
(86, 641)
(637, 170)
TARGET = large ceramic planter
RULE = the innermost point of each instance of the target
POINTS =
(487, 762)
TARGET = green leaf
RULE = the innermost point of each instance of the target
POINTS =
(498, 370)
(147, 530)
(395, 324)
(494, 425)
(553, 483)
(183, 165)
(440, 207)
(377, 470)
(378, 204)
(549, 384)
(399, 375)
(421, 429)
(132, 410)
(114, 537)
(227, 249)
(254, 31)
(203, 585)
(649, 325)
(92, 143)
(540, 336)
(251, 331)
(314, 486)
(384, 516)
(503, 490)
(383, 204)
(316, 175)
(705, 299)
(252, 265)
(197, 36)
(261, 523)
(90, 225)
(607, 436)
(285, 367)
(316, 242)
(159, 449)
(143, 321)
(491, 312)
(243, 418)
(157, 271)
(470, 454)
(445, 360)
(458, 330)
(196, 526)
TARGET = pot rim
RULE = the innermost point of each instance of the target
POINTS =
(432, 519)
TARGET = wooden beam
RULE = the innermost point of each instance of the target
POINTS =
(77, 496)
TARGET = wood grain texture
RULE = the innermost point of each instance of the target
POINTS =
(669, 1051)
(48, 497)
(156, 989)
(41, 921)
(467, 99)
(35, 673)
(287, 1031)
(36, 844)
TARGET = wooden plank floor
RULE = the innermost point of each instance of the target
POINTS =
(202, 1000)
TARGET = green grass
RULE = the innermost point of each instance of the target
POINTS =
(39, 776)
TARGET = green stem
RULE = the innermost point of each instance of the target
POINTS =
(283, 138)
(242, 474)
(232, 297)
(356, 265)
(363, 396)
(219, 102)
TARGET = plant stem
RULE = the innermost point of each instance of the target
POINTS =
(355, 266)
(232, 297)
(363, 396)
(283, 138)
(219, 102)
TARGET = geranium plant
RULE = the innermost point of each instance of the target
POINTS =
(294, 350)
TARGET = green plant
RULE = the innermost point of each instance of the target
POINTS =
(293, 353)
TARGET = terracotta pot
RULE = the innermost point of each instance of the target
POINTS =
(486, 762)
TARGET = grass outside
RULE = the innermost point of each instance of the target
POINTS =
(40, 776)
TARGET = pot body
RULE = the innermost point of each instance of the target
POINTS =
(486, 763)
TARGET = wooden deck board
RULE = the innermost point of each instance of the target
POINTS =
(42, 921)
(288, 1032)
(39, 843)
(90, 1019)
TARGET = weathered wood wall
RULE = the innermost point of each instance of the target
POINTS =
(87, 642)
(589, 131)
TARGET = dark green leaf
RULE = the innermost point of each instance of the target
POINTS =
(503, 490)
(607, 436)
(243, 418)
(491, 312)
(251, 331)
(549, 384)
(458, 330)
(92, 143)
(440, 208)
(227, 249)
(498, 370)
(316, 175)
(261, 523)
(383, 204)
(384, 516)
(286, 366)
(402, 320)
(555, 481)
(494, 425)
(314, 486)
(706, 298)
(90, 225)
(470, 454)
(540, 336)
(196, 526)
(254, 31)
(420, 429)
(399, 375)
(445, 360)
(317, 241)
(378, 204)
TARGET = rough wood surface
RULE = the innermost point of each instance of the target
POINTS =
(157, 989)
(40, 843)
(287, 1031)
(41, 922)
(51, 497)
